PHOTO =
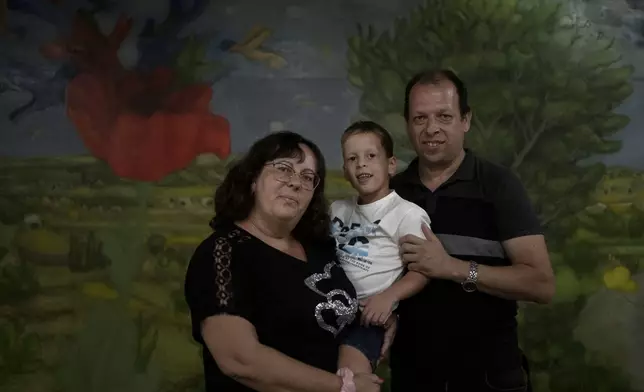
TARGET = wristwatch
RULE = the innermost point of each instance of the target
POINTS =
(469, 284)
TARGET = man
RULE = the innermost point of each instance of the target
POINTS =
(485, 251)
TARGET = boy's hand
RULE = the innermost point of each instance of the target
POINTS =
(377, 309)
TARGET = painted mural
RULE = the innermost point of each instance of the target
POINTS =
(118, 119)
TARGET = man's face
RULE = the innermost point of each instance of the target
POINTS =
(435, 126)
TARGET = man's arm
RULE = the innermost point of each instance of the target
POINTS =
(530, 277)
(379, 307)
(412, 282)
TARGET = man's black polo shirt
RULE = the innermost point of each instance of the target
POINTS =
(472, 213)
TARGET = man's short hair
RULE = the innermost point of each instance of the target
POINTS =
(435, 76)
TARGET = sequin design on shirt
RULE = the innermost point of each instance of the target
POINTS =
(344, 311)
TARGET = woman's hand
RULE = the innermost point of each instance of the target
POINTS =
(367, 382)
(390, 332)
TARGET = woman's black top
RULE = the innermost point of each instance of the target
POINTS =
(301, 309)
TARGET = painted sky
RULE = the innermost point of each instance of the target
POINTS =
(310, 95)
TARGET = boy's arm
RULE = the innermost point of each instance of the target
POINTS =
(407, 286)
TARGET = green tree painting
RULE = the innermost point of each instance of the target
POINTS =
(544, 88)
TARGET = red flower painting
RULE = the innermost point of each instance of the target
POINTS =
(142, 123)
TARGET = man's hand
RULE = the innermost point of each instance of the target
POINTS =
(377, 309)
(390, 333)
(428, 256)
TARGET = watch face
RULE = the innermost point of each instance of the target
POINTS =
(469, 286)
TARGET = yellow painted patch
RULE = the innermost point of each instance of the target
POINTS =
(99, 290)
(184, 240)
(176, 353)
(619, 279)
(43, 241)
(620, 208)
(154, 295)
(138, 305)
(185, 191)
(584, 234)
(620, 190)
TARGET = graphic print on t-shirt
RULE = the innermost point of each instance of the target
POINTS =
(367, 237)
(353, 242)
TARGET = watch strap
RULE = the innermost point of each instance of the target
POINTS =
(469, 284)
(473, 275)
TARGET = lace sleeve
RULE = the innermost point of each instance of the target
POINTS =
(222, 256)
(216, 281)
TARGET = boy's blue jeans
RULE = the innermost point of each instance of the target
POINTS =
(368, 340)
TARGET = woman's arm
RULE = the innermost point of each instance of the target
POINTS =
(233, 343)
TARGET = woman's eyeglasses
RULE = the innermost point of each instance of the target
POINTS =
(285, 173)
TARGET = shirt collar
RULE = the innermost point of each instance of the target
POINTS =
(465, 171)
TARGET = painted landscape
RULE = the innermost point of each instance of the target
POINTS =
(119, 120)
(93, 266)
(91, 282)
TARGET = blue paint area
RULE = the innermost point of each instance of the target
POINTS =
(159, 44)
(310, 94)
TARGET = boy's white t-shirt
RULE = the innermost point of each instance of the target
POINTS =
(367, 236)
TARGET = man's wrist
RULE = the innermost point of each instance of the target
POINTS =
(460, 270)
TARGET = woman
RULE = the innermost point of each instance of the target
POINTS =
(268, 301)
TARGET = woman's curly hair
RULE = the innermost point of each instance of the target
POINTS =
(234, 198)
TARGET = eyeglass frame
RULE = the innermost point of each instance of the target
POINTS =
(288, 177)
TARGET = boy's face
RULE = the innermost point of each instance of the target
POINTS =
(367, 167)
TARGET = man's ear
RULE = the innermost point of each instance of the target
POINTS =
(467, 121)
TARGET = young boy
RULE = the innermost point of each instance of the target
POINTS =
(366, 229)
